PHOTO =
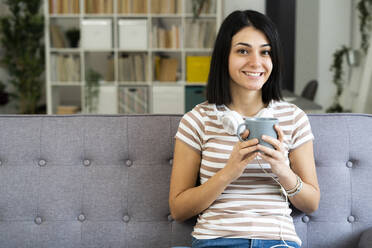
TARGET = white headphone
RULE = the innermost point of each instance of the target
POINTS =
(231, 119)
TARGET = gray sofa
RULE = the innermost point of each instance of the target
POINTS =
(102, 181)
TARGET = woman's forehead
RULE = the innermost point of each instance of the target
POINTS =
(250, 36)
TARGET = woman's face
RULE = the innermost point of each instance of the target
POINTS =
(250, 62)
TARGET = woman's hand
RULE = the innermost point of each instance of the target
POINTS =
(276, 158)
(241, 155)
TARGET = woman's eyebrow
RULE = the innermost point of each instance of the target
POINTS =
(249, 45)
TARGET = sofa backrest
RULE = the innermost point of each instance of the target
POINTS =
(103, 181)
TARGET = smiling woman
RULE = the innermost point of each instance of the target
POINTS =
(245, 186)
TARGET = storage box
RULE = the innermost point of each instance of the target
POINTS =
(133, 100)
(96, 34)
(168, 99)
(197, 69)
(194, 96)
(133, 34)
(107, 103)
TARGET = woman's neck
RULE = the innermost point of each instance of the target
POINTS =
(246, 103)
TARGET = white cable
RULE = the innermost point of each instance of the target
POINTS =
(286, 201)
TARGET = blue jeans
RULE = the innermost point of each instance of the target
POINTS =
(240, 243)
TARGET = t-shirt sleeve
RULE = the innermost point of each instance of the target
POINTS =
(301, 132)
(191, 129)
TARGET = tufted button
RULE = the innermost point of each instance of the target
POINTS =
(86, 162)
(126, 218)
(349, 164)
(38, 220)
(81, 217)
(351, 219)
(305, 219)
(171, 161)
(128, 163)
(42, 162)
(170, 218)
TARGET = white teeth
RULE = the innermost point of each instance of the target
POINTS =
(253, 74)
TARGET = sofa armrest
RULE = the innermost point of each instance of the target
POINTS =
(365, 240)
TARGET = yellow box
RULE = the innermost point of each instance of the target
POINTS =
(197, 69)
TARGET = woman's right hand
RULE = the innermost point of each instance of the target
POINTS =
(242, 153)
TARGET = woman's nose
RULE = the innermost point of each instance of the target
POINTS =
(254, 59)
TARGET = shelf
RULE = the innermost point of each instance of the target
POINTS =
(66, 83)
(65, 50)
(64, 16)
(177, 83)
(165, 50)
(131, 15)
(105, 15)
(126, 72)
(121, 83)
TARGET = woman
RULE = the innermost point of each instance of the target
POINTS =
(238, 202)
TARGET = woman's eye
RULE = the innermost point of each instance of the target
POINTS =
(266, 52)
(242, 51)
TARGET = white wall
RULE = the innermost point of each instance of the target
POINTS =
(319, 33)
(334, 31)
(307, 37)
(357, 86)
(231, 5)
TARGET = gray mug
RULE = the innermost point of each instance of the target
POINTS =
(257, 127)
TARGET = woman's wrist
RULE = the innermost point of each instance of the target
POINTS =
(288, 180)
(225, 175)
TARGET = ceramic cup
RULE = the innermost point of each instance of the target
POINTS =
(257, 127)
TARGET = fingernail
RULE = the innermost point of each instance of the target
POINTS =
(264, 136)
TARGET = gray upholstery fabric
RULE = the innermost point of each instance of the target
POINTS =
(366, 239)
(103, 181)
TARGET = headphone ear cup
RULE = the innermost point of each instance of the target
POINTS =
(230, 121)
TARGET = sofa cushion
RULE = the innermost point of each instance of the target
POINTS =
(366, 239)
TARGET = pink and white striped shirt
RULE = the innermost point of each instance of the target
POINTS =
(252, 206)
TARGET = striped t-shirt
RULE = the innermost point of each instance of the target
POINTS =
(251, 206)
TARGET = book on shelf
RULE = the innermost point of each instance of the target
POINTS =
(202, 34)
(98, 6)
(166, 69)
(64, 6)
(166, 6)
(166, 38)
(58, 40)
(197, 68)
(133, 68)
(65, 68)
(67, 109)
(110, 71)
(132, 6)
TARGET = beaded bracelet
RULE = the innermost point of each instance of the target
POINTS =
(296, 189)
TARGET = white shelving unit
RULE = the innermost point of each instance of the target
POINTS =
(73, 93)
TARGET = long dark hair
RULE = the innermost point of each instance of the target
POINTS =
(218, 87)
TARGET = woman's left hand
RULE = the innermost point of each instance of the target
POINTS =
(276, 158)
